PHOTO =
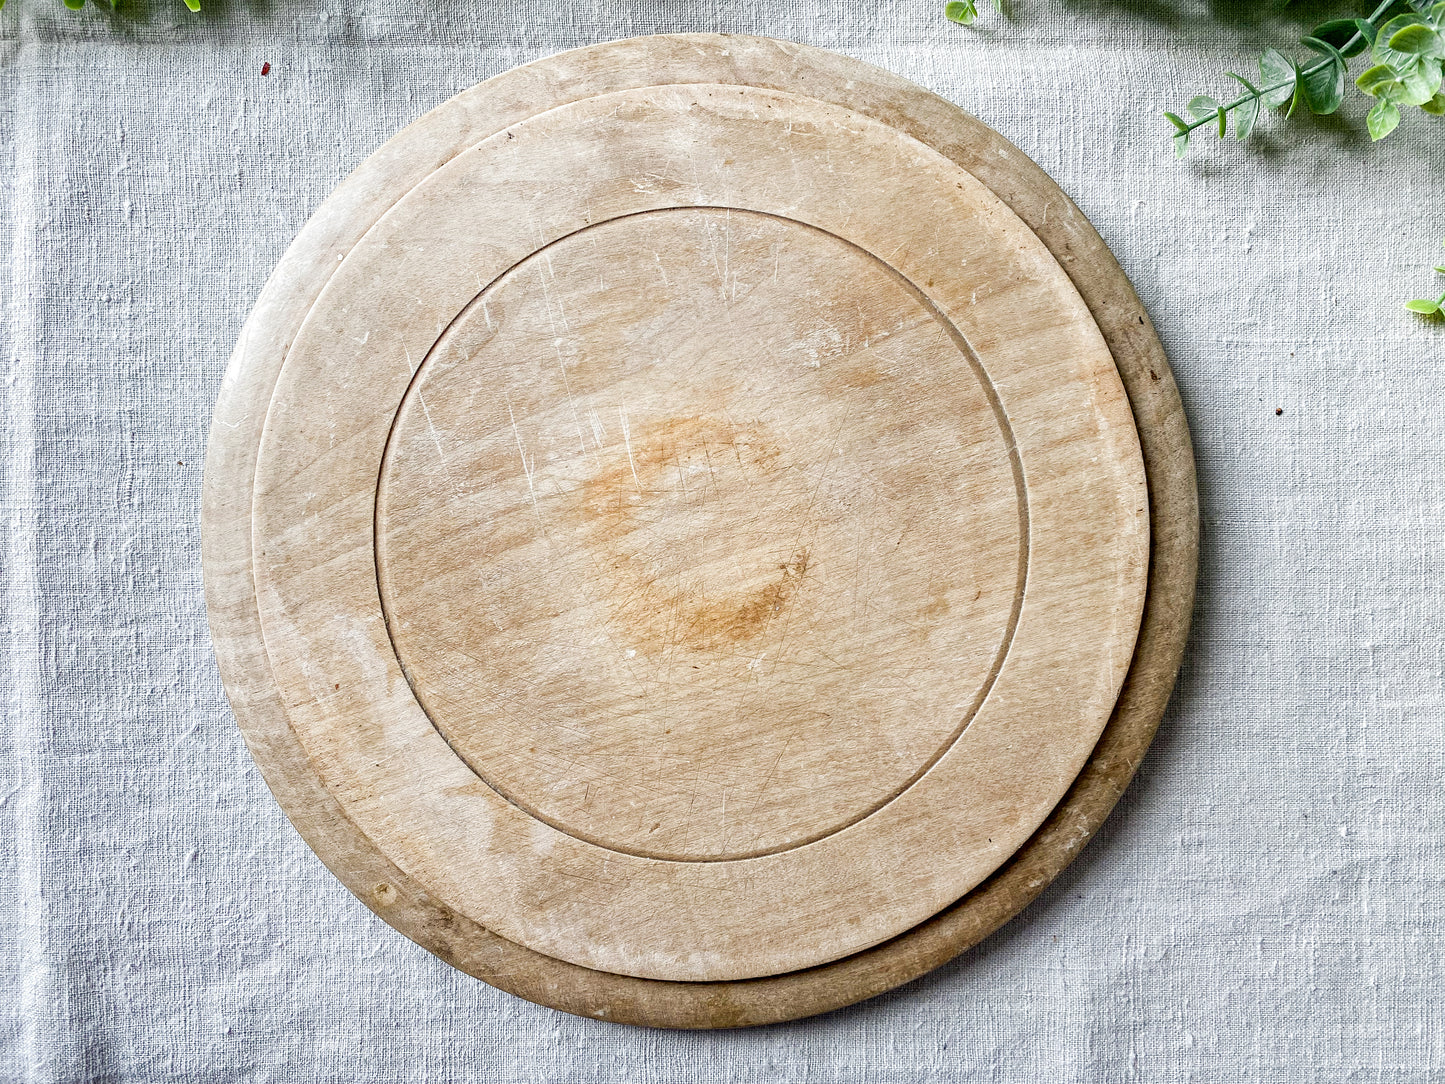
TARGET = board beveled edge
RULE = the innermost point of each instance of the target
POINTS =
(1154, 399)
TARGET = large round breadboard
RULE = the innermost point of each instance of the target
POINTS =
(698, 531)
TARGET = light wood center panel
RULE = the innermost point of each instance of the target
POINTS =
(677, 521)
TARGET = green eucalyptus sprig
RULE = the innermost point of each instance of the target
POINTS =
(1409, 55)
(1408, 51)
(1425, 306)
(76, 5)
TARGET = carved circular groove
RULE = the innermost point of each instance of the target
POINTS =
(673, 535)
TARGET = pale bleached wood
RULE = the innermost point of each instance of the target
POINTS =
(920, 509)
(764, 492)
(893, 962)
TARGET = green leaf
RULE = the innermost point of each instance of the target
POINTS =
(1418, 39)
(1368, 30)
(1379, 81)
(1278, 75)
(1246, 113)
(1245, 116)
(1181, 143)
(1294, 103)
(1381, 50)
(1324, 87)
(1202, 106)
(963, 12)
(1343, 34)
(1394, 25)
(1324, 48)
(1383, 119)
(1436, 105)
(75, 5)
(1436, 16)
(194, 5)
(1177, 121)
(1242, 81)
(1421, 82)
(1426, 308)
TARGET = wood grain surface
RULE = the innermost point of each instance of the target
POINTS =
(590, 551)
(760, 490)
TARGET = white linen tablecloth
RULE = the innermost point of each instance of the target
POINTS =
(1267, 901)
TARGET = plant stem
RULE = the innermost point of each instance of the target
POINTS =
(1305, 73)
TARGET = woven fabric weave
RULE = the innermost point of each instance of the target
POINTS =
(1266, 903)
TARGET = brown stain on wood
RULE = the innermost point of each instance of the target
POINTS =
(659, 609)
(861, 376)
(737, 619)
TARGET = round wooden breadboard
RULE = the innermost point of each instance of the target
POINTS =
(698, 531)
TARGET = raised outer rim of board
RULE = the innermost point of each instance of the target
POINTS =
(487, 108)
